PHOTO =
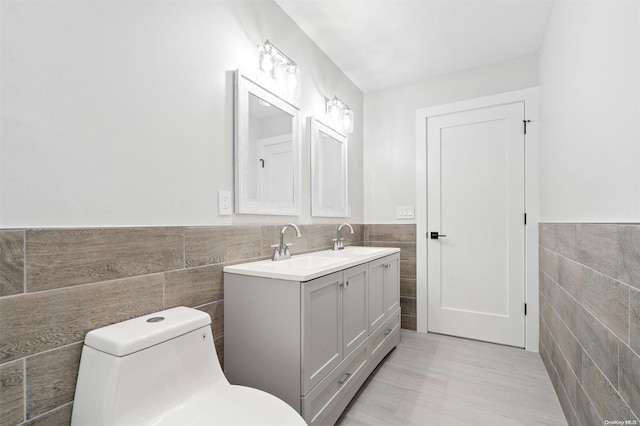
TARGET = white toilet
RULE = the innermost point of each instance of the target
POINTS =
(162, 369)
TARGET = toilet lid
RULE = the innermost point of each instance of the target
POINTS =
(231, 405)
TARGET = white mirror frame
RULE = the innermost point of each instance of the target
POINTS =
(244, 87)
(316, 127)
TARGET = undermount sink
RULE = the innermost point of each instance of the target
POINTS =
(308, 266)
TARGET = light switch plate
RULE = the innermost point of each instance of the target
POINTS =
(224, 202)
(404, 212)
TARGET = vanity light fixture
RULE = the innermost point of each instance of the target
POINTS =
(340, 113)
(278, 71)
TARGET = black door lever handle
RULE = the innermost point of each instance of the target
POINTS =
(436, 235)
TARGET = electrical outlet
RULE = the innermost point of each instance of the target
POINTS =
(224, 202)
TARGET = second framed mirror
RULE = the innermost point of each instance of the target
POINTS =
(329, 170)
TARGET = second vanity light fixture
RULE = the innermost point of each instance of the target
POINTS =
(340, 114)
(278, 70)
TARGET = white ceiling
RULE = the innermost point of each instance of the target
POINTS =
(384, 43)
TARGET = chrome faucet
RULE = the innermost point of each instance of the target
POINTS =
(281, 251)
(338, 243)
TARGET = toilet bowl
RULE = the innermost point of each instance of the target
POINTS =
(162, 369)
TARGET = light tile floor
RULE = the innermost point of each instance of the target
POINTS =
(431, 379)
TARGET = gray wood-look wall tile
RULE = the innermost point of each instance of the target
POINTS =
(567, 307)
(216, 312)
(608, 300)
(566, 341)
(408, 322)
(35, 322)
(604, 397)
(634, 319)
(62, 258)
(11, 262)
(629, 260)
(408, 306)
(566, 240)
(630, 377)
(597, 247)
(547, 288)
(566, 375)
(407, 287)
(58, 417)
(547, 236)
(51, 379)
(600, 344)
(391, 232)
(408, 270)
(407, 250)
(220, 244)
(585, 410)
(12, 393)
(571, 277)
(567, 407)
(549, 263)
(194, 286)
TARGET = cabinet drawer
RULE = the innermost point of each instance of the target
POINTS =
(323, 398)
(385, 333)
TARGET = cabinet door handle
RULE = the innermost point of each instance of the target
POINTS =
(346, 284)
(346, 377)
(389, 330)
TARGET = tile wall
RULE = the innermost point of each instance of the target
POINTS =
(57, 284)
(590, 319)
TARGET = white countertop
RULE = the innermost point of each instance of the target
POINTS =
(307, 266)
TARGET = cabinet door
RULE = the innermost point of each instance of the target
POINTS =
(322, 329)
(392, 284)
(377, 307)
(354, 308)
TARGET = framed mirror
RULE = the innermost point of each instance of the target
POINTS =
(329, 170)
(266, 150)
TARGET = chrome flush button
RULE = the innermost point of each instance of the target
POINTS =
(155, 319)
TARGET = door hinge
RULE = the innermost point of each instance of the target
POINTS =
(525, 125)
(525, 218)
(525, 309)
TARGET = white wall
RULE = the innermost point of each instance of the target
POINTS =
(390, 127)
(590, 100)
(120, 113)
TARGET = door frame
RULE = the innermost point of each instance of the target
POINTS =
(531, 99)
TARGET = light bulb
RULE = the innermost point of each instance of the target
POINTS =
(333, 109)
(266, 64)
(347, 120)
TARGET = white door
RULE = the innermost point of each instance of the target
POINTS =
(475, 174)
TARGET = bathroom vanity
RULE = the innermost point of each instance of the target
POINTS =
(312, 328)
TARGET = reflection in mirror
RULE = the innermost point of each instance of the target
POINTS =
(328, 170)
(266, 151)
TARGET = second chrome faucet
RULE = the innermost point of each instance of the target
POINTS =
(338, 243)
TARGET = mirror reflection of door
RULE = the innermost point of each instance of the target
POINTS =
(331, 183)
(271, 148)
(275, 166)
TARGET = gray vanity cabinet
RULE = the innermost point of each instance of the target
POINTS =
(322, 328)
(334, 312)
(312, 343)
(384, 289)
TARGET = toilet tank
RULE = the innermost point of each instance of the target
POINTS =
(137, 371)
